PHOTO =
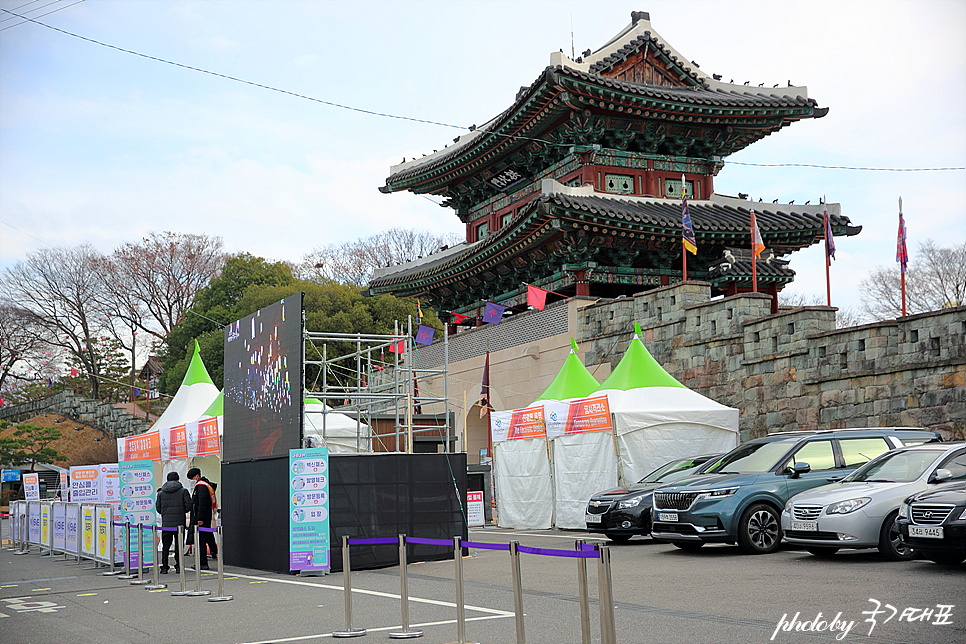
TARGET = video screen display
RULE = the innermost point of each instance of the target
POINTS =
(263, 383)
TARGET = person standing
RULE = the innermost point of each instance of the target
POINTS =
(203, 505)
(173, 504)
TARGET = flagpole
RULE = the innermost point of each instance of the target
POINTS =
(684, 261)
(828, 261)
(754, 257)
(902, 267)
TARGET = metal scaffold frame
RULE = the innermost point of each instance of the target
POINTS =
(365, 385)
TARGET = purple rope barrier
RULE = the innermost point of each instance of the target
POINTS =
(574, 554)
(200, 529)
(163, 529)
(430, 542)
(485, 546)
(373, 541)
(120, 525)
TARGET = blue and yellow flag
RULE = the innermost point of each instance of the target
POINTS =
(688, 234)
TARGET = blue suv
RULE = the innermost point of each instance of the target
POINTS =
(739, 497)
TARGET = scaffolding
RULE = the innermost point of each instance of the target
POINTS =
(362, 384)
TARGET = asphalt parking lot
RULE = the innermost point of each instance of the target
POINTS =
(661, 596)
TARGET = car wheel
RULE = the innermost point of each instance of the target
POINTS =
(890, 544)
(759, 531)
(822, 551)
(618, 538)
(942, 557)
(690, 546)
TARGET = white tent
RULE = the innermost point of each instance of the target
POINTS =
(324, 427)
(521, 467)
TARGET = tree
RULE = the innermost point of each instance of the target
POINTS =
(59, 287)
(935, 279)
(21, 339)
(354, 262)
(31, 444)
(150, 284)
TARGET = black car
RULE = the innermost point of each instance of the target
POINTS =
(624, 512)
(934, 523)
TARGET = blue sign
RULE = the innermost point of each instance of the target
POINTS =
(10, 475)
(137, 506)
(308, 505)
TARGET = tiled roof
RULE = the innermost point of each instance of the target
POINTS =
(736, 262)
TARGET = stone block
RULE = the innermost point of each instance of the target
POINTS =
(956, 379)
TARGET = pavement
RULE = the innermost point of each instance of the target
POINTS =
(662, 595)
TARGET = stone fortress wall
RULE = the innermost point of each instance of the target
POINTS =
(793, 370)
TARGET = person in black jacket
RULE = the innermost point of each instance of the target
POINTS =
(203, 505)
(173, 504)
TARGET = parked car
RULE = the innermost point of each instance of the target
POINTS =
(739, 497)
(620, 514)
(860, 511)
(934, 523)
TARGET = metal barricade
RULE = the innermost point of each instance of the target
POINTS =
(197, 592)
(221, 597)
(182, 592)
(347, 589)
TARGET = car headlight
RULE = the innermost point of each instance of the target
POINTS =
(788, 507)
(962, 516)
(844, 507)
(717, 494)
(632, 502)
(904, 510)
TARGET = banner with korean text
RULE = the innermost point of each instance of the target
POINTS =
(46, 529)
(309, 509)
(33, 527)
(137, 506)
(71, 526)
(88, 530)
(140, 448)
(85, 484)
(60, 526)
(589, 415)
(31, 487)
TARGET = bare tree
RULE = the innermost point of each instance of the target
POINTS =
(935, 279)
(150, 284)
(354, 262)
(59, 287)
(21, 338)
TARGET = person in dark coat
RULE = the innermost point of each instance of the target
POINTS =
(173, 504)
(203, 505)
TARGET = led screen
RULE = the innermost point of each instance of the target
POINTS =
(263, 383)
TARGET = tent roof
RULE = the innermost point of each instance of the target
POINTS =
(638, 369)
(216, 408)
(194, 397)
(572, 381)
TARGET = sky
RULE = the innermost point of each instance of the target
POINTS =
(103, 146)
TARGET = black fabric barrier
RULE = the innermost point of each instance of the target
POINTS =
(370, 495)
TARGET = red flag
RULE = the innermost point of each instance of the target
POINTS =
(902, 253)
(459, 317)
(398, 347)
(485, 388)
(536, 297)
(73, 373)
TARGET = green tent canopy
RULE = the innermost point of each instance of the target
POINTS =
(572, 381)
(196, 369)
(217, 407)
(638, 369)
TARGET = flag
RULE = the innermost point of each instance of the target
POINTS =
(419, 312)
(425, 334)
(688, 233)
(485, 388)
(536, 297)
(829, 242)
(459, 317)
(902, 253)
(398, 347)
(757, 244)
(493, 313)
(73, 373)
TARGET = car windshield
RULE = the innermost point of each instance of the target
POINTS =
(670, 471)
(895, 467)
(750, 458)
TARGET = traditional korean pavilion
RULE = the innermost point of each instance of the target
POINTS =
(576, 187)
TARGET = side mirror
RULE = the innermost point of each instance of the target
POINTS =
(800, 468)
(940, 475)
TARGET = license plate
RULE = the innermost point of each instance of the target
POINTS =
(805, 526)
(667, 516)
(593, 518)
(928, 532)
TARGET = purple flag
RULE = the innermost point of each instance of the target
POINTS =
(493, 313)
(425, 334)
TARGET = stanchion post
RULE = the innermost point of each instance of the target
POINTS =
(347, 589)
(517, 591)
(110, 540)
(222, 597)
(140, 581)
(157, 585)
(197, 592)
(180, 544)
(460, 607)
(405, 633)
(583, 593)
(127, 552)
(24, 546)
(605, 596)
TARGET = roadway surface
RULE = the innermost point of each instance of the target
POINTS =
(661, 595)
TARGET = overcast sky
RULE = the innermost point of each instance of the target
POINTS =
(103, 146)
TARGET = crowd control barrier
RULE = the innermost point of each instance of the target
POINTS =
(582, 552)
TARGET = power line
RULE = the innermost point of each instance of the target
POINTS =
(840, 167)
(37, 9)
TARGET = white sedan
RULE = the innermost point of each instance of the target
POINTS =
(860, 510)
